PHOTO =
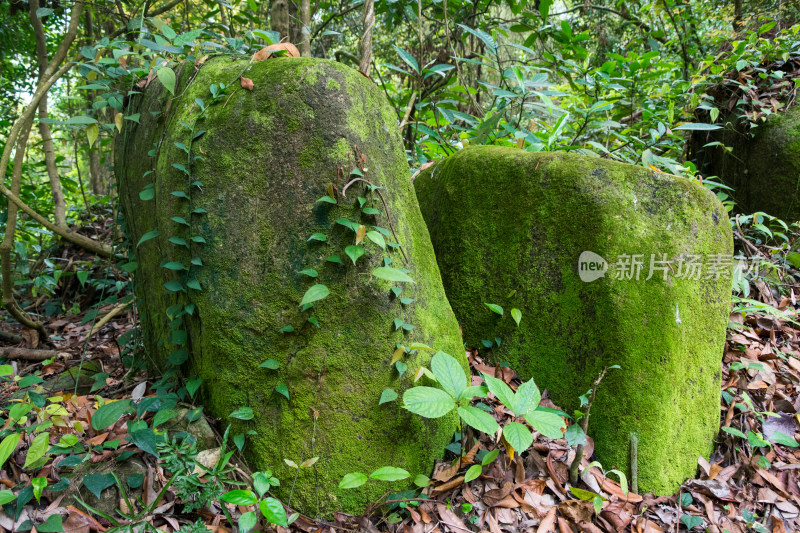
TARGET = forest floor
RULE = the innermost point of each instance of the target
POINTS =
(749, 483)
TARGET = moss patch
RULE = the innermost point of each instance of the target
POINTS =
(268, 155)
(508, 228)
(763, 170)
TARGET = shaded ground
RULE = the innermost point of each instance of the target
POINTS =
(749, 483)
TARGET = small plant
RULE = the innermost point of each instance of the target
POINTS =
(432, 402)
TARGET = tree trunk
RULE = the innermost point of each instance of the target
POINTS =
(59, 202)
(305, 28)
(279, 18)
(368, 18)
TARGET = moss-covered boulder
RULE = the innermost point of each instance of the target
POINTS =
(510, 228)
(763, 167)
(229, 184)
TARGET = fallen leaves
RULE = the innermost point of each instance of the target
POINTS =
(274, 50)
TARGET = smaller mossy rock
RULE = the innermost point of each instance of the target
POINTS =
(509, 228)
(763, 167)
(250, 195)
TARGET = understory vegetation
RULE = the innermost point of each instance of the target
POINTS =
(92, 439)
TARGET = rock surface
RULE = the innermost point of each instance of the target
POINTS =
(267, 156)
(763, 168)
(509, 227)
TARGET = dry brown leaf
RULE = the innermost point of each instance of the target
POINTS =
(577, 510)
(548, 523)
(247, 83)
(269, 51)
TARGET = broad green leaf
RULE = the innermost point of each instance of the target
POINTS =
(247, 521)
(353, 480)
(239, 497)
(527, 398)
(389, 473)
(97, 483)
(516, 314)
(39, 484)
(271, 364)
(354, 252)
(314, 294)
(392, 274)
(583, 494)
(147, 236)
(53, 524)
(517, 436)
(473, 473)
(377, 238)
(92, 131)
(109, 413)
(487, 39)
(495, 308)
(782, 438)
(273, 511)
(407, 58)
(502, 391)
(696, 126)
(428, 401)
(243, 413)
(490, 457)
(7, 446)
(449, 373)
(167, 77)
(735, 432)
(548, 424)
(7, 496)
(388, 395)
(479, 419)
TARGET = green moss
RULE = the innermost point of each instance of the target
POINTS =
(333, 85)
(763, 169)
(508, 228)
(268, 155)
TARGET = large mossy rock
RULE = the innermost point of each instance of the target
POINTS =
(267, 156)
(763, 167)
(509, 227)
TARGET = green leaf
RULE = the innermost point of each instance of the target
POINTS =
(547, 423)
(162, 416)
(167, 77)
(81, 119)
(174, 265)
(495, 308)
(583, 494)
(518, 436)
(392, 274)
(271, 364)
(326, 199)
(283, 390)
(354, 251)
(243, 413)
(39, 484)
(696, 126)
(147, 194)
(97, 483)
(147, 236)
(92, 131)
(782, 438)
(310, 272)
(479, 419)
(43, 12)
(353, 480)
(7, 446)
(473, 473)
(516, 314)
(407, 58)
(318, 237)
(388, 395)
(735, 432)
(502, 391)
(490, 457)
(314, 294)
(527, 398)
(273, 511)
(487, 39)
(173, 286)
(53, 524)
(449, 373)
(6, 496)
(389, 473)
(335, 259)
(239, 497)
(691, 521)
(428, 402)
(109, 413)
(377, 238)
(247, 521)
